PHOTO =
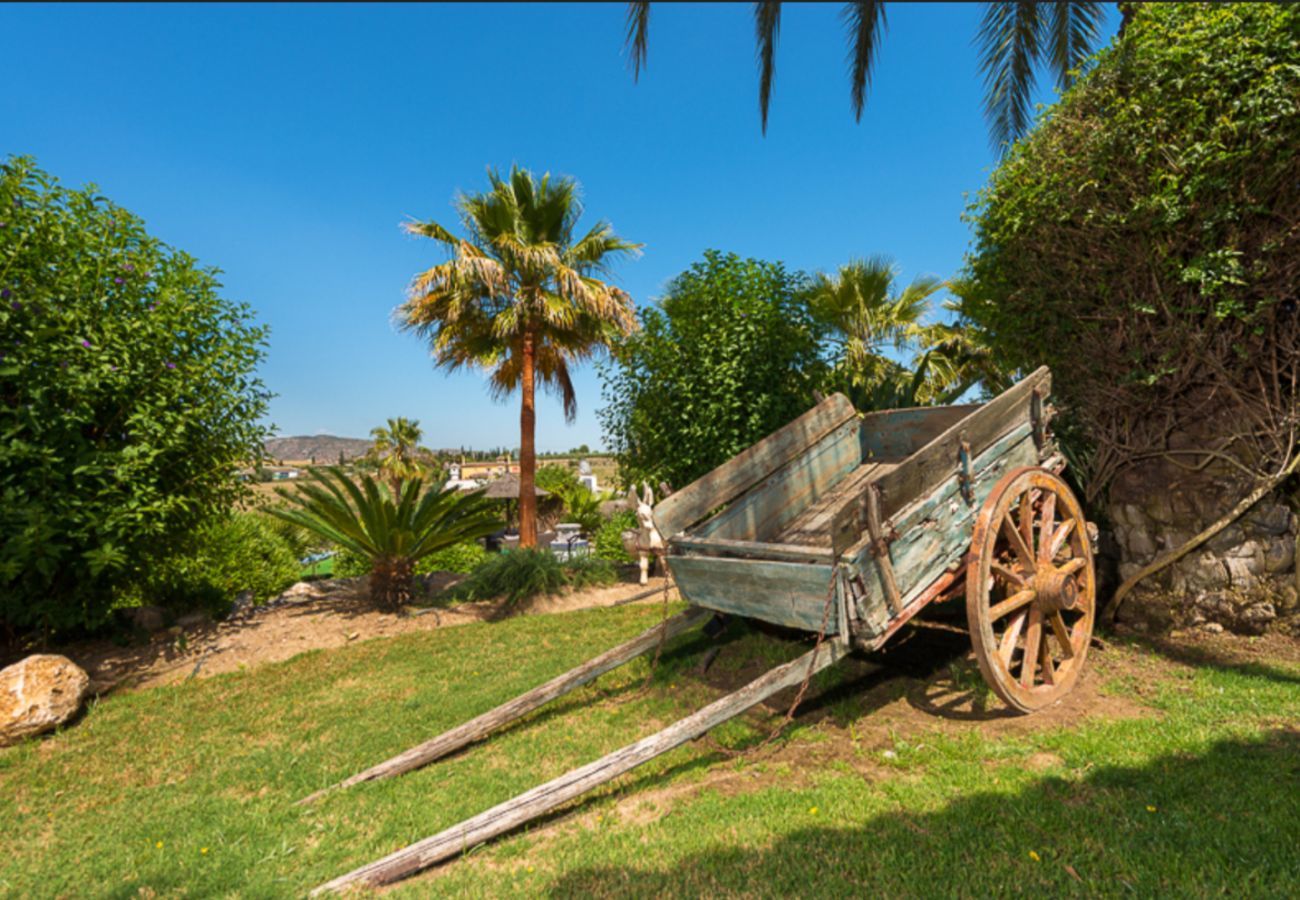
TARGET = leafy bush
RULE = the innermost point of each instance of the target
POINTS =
(557, 479)
(520, 575)
(730, 355)
(464, 558)
(582, 506)
(128, 400)
(608, 541)
(239, 552)
(391, 532)
(1142, 241)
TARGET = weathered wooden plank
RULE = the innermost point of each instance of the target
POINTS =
(448, 742)
(933, 533)
(760, 513)
(784, 593)
(693, 502)
(897, 433)
(813, 525)
(711, 546)
(932, 464)
(544, 798)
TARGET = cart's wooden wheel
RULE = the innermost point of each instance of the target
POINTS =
(1031, 589)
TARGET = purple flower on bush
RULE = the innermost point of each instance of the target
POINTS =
(171, 365)
(112, 368)
(86, 344)
(127, 267)
(4, 224)
(117, 280)
(4, 293)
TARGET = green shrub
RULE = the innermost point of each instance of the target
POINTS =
(516, 576)
(464, 558)
(590, 571)
(348, 564)
(241, 552)
(557, 479)
(608, 541)
(1142, 242)
(730, 355)
(128, 400)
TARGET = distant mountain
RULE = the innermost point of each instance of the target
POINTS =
(324, 448)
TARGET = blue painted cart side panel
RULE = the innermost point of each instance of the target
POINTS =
(792, 594)
(935, 532)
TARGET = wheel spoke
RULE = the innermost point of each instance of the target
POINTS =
(1062, 634)
(1047, 525)
(1045, 657)
(1009, 574)
(1012, 603)
(1033, 637)
(1071, 566)
(1058, 538)
(1007, 646)
(1027, 520)
(1012, 534)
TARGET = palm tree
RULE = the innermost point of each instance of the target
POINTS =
(1015, 38)
(519, 298)
(867, 318)
(397, 453)
(393, 530)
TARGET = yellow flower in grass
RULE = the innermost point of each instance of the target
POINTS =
(812, 811)
(203, 850)
(1034, 856)
(159, 845)
(1151, 809)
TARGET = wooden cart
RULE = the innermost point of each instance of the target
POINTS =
(847, 526)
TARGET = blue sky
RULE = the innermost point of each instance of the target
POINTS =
(285, 145)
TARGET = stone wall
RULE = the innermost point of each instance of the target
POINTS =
(1241, 579)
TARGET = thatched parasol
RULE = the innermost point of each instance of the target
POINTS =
(507, 488)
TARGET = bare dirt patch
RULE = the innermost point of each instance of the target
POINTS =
(311, 616)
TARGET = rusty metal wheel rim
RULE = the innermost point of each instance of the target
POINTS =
(1031, 589)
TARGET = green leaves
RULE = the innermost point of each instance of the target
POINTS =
(731, 354)
(1141, 240)
(388, 530)
(128, 398)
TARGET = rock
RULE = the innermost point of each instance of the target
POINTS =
(1227, 541)
(1256, 618)
(1204, 571)
(1140, 545)
(1270, 518)
(38, 694)
(1279, 554)
(148, 618)
(193, 620)
(1212, 628)
(1287, 598)
(1159, 508)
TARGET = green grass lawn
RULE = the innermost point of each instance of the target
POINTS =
(188, 790)
(321, 567)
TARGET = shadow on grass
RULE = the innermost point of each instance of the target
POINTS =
(1218, 657)
(1224, 821)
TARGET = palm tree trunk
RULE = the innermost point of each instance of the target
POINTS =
(527, 452)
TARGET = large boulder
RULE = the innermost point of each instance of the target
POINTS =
(39, 694)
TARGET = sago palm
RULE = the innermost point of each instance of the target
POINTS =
(1015, 39)
(392, 531)
(396, 451)
(519, 298)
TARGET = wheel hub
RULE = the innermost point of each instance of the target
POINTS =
(1056, 590)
